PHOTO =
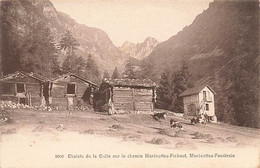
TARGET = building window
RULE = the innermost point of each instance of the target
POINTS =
(71, 89)
(204, 95)
(8, 88)
(20, 88)
(207, 107)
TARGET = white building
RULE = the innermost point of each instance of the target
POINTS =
(199, 100)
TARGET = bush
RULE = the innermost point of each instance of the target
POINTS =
(198, 135)
(10, 131)
(5, 117)
(158, 141)
(118, 127)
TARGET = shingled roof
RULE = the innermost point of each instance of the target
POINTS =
(31, 75)
(76, 76)
(195, 90)
(145, 83)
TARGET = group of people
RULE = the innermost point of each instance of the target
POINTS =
(202, 118)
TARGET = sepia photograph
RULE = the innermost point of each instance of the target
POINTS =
(129, 84)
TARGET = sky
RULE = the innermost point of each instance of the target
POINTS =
(134, 20)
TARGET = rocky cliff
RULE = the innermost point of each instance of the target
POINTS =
(92, 40)
(224, 33)
(139, 50)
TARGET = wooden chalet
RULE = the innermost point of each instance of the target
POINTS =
(23, 88)
(199, 100)
(70, 91)
(127, 95)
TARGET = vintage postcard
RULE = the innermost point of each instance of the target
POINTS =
(129, 84)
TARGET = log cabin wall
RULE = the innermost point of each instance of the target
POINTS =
(58, 94)
(126, 95)
(123, 98)
(143, 99)
(35, 92)
(8, 92)
(31, 93)
(133, 99)
(67, 92)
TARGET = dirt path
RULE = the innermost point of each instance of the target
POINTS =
(38, 136)
(246, 132)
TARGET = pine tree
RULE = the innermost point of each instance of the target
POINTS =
(106, 75)
(38, 52)
(147, 70)
(115, 74)
(225, 111)
(92, 71)
(72, 63)
(129, 70)
(182, 80)
(165, 97)
(80, 66)
(244, 92)
(68, 43)
(11, 40)
(69, 64)
(29, 49)
(171, 85)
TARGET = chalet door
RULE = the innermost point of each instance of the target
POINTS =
(192, 109)
(70, 102)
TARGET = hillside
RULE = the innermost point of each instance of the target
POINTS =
(21, 14)
(48, 134)
(221, 46)
(227, 29)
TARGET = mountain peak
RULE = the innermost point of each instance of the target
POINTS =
(150, 39)
(127, 43)
(139, 50)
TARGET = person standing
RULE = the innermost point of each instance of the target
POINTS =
(111, 108)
